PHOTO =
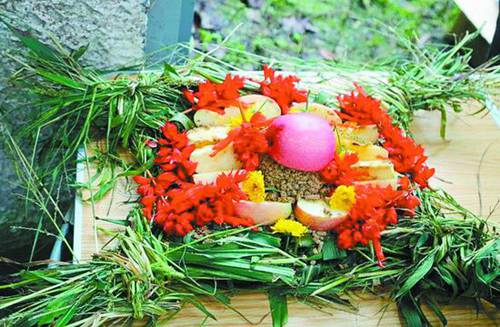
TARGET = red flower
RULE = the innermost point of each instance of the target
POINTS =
(201, 204)
(406, 155)
(281, 89)
(249, 141)
(178, 205)
(172, 137)
(216, 97)
(174, 153)
(375, 209)
(339, 170)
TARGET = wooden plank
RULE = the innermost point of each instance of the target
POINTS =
(472, 149)
(89, 233)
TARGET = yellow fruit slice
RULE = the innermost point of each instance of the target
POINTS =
(361, 135)
(201, 136)
(224, 160)
(375, 169)
(327, 113)
(368, 152)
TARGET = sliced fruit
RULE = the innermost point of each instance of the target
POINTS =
(361, 135)
(393, 182)
(260, 103)
(317, 215)
(201, 136)
(207, 118)
(376, 169)
(207, 178)
(224, 160)
(327, 113)
(368, 152)
(251, 103)
(266, 212)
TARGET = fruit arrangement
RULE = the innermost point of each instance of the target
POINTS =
(275, 161)
(248, 183)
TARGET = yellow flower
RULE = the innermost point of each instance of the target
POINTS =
(343, 198)
(288, 226)
(254, 187)
(238, 120)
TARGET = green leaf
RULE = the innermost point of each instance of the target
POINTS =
(435, 308)
(442, 129)
(419, 272)
(265, 238)
(278, 307)
(331, 251)
(103, 190)
(78, 53)
(169, 69)
(120, 222)
(41, 50)
(67, 316)
(410, 313)
(59, 79)
(182, 119)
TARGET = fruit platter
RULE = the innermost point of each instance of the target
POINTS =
(249, 182)
(286, 166)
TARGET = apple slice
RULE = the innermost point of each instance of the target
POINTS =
(368, 152)
(260, 103)
(393, 182)
(320, 110)
(251, 103)
(207, 178)
(204, 117)
(201, 136)
(361, 135)
(376, 169)
(224, 160)
(317, 215)
(266, 212)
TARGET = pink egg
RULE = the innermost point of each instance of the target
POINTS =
(302, 141)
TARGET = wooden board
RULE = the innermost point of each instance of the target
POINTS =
(471, 154)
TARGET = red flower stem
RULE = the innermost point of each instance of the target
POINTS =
(378, 252)
(242, 112)
(148, 173)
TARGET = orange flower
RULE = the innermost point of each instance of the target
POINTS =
(375, 209)
(177, 204)
(406, 155)
(216, 97)
(249, 141)
(339, 170)
(281, 89)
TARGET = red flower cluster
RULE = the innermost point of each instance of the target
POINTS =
(177, 204)
(216, 97)
(249, 141)
(201, 204)
(375, 208)
(406, 155)
(173, 159)
(339, 170)
(174, 152)
(281, 89)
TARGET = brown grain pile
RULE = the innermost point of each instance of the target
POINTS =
(286, 184)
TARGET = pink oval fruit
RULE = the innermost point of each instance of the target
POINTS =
(302, 141)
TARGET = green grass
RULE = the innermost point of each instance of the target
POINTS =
(338, 29)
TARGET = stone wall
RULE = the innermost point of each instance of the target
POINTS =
(115, 32)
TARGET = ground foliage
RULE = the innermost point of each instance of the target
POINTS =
(327, 29)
